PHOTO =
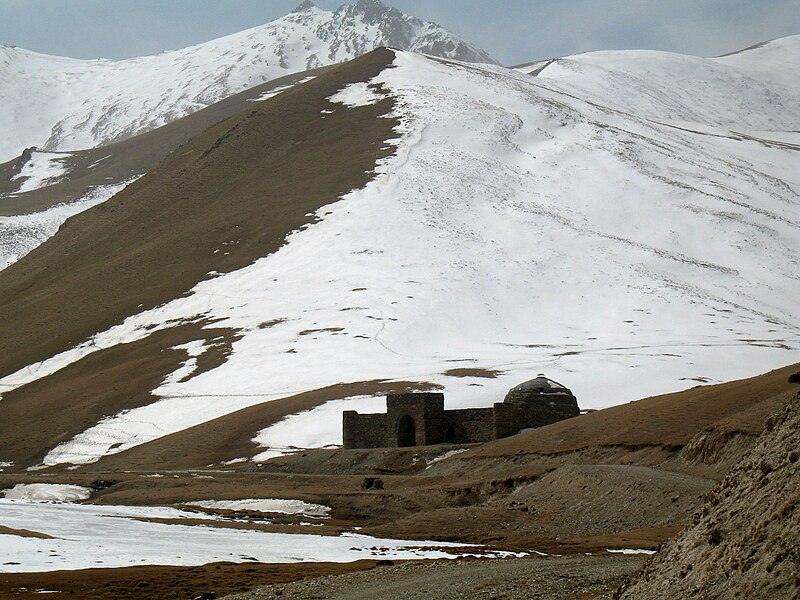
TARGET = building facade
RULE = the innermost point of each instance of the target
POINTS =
(420, 419)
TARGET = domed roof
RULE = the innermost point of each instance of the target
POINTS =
(541, 385)
(538, 390)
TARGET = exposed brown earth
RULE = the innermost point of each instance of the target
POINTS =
(24, 533)
(179, 583)
(121, 160)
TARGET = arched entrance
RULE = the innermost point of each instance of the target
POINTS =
(406, 432)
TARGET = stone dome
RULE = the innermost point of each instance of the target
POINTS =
(541, 390)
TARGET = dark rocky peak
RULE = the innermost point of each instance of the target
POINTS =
(374, 11)
(304, 6)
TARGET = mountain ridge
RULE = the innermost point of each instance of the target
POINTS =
(115, 99)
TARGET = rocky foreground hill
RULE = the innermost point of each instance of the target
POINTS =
(745, 541)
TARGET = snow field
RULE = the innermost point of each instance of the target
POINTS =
(87, 536)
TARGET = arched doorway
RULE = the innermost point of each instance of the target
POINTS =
(406, 432)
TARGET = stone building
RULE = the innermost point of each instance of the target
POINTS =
(420, 419)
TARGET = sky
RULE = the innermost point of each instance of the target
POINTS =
(513, 31)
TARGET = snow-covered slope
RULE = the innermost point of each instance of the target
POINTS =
(61, 103)
(756, 88)
(520, 227)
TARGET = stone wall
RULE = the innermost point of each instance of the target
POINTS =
(469, 425)
(420, 420)
(510, 419)
(364, 431)
(427, 412)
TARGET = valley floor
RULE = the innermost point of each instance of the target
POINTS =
(556, 578)
(577, 497)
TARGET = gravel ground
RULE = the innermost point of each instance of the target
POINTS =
(541, 578)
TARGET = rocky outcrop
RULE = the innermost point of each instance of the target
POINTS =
(745, 541)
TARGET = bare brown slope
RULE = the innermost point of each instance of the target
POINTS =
(136, 155)
(667, 420)
(37, 417)
(242, 185)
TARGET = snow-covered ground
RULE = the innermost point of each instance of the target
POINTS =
(317, 428)
(518, 228)
(269, 505)
(22, 233)
(755, 89)
(87, 536)
(42, 169)
(59, 103)
(52, 492)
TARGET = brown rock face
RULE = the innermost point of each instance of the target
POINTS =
(745, 542)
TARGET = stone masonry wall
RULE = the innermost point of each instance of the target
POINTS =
(434, 425)
(427, 411)
(469, 425)
(364, 431)
(510, 419)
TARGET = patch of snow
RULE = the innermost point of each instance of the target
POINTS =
(89, 536)
(271, 505)
(98, 161)
(41, 170)
(195, 349)
(270, 454)
(631, 551)
(445, 456)
(357, 94)
(279, 90)
(319, 427)
(51, 492)
(22, 233)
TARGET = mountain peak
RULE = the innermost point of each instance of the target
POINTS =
(373, 11)
(304, 6)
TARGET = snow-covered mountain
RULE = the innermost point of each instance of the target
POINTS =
(625, 239)
(58, 103)
(756, 88)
